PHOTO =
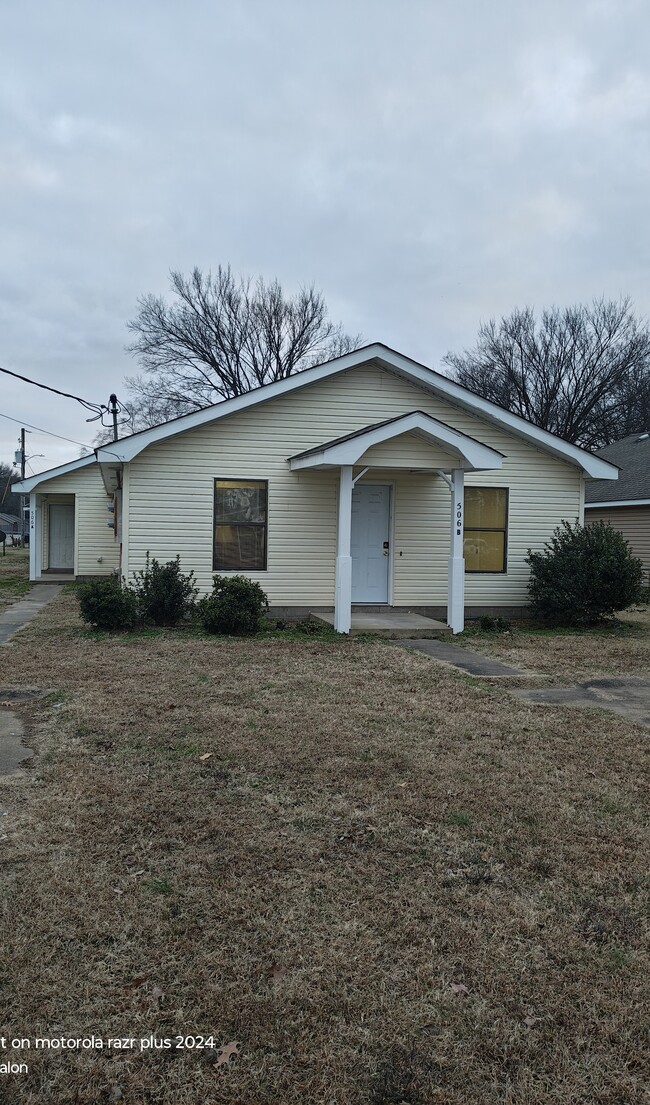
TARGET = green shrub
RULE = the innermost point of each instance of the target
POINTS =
(235, 606)
(584, 574)
(106, 604)
(164, 594)
(494, 625)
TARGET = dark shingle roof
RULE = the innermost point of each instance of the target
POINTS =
(632, 455)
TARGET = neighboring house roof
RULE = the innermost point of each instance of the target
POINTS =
(632, 456)
(425, 378)
(9, 519)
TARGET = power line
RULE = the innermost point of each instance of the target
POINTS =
(95, 407)
(21, 422)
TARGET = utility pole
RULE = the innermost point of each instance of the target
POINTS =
(22, 497)
(113, 410)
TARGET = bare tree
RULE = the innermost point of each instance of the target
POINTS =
(223, 336)
(581, 372)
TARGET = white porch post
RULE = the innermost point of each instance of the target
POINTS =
(456, 576)
(343, 607)
(35, 535)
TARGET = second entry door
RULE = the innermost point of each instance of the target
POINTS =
(370, 536)
(61, 536)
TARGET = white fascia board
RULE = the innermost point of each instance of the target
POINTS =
(473, 454)
(434, 382)
(619, 502)
(129, 447)
(25, 487)
(592, 466)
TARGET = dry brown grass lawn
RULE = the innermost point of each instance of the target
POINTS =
(389, 884)
(14, 575)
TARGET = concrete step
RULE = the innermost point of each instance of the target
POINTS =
(393, 624)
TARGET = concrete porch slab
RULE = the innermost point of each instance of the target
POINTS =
(394, 624)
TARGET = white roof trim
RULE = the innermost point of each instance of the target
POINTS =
(23, 487)
(619, 502)
(592, 466)
(473, 455)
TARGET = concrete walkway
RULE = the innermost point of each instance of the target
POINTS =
(474, 663)
(12, 749)
(20, 613)
(629, 697)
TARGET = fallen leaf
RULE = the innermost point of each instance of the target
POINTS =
(226, 1053)
(459, 988)
(206, 755)
(115, 1094)
(136, 982)
(156, 995)
(530, 1021)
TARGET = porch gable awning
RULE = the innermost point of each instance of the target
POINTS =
(466, 452)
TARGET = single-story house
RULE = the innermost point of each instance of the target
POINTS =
(369, 480)
(625, 505)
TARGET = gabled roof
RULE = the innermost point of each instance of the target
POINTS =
(25, 486)
(632, 455)
(425, 378)
(433, 382)
(468, 453)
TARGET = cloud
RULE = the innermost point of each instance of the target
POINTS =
(68, 130)
(426, 165)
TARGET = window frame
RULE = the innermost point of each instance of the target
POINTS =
(257, 525)
(488, 529)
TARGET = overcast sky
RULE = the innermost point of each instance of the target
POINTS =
(426, 163)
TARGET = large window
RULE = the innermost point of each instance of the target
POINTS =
(485, 544)
(240, 511)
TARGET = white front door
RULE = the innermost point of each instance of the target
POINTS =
(370, 536)
(61, 536)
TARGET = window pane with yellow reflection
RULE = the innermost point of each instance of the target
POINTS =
(484, 550)
(486, 523)
(485, 507)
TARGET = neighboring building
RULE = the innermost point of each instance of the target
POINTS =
(9, 524)
(369, 480)
(625, 504)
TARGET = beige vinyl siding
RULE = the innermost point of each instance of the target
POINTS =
(632, 521)
(93, 537)
(169, 507)
(406, 451)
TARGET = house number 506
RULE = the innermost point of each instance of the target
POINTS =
(459, 519)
